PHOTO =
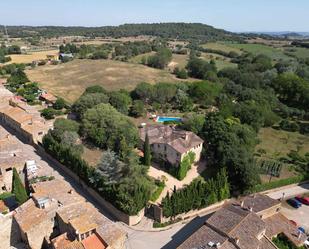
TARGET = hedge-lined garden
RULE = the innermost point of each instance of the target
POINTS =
(197, 195)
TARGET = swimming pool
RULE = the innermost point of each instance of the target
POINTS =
(165, 119)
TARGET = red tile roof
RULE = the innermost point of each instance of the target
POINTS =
(94, 242)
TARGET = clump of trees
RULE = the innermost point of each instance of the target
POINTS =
(131, 49)
(160, 59)
(201, 69)
(196, 195)
(121, 180)
(231, 145)
(5, 51)
(107, 128)
(92, 96)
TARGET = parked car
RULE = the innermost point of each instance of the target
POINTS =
(302, 230)
(294, 203)
(303, 200)
(293, 222)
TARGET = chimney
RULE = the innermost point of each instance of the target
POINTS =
(251, 209)
(236, 240)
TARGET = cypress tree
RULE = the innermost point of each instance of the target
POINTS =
(147, 153)
(18, 189)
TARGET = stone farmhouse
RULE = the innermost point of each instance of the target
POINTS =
(248, 224)
(170, 144)
(10, 157)
(23, 119)
(59, 218)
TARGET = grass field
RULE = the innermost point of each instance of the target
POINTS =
(278, 143)
(222, 47)
(274, 53)
(221, 61)
(28, 58)
(69, 80)
(300, 53)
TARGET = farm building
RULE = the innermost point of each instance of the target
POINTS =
(170, 144)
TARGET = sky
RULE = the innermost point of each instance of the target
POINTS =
(232, 15)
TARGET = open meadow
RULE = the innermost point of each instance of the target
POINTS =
(69, 80)
(221, 46)
(274, 53)
(278, 143)
(300, 53)
(33, 56)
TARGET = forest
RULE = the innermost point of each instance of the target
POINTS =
(185, 31)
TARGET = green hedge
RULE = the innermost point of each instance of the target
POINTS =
(198, 194)
(155, 195)
(279, 183)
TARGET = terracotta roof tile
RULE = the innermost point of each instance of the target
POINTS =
(94, 242)
(182, 141)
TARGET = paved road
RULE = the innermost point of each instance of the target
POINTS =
(289, 192)
(168, 239)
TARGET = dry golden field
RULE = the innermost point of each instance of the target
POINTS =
(69, 80)
(33, 56)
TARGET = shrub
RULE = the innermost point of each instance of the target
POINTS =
(50, 113)
(155, 195)
(181, 73)
(59, 104)
(289, 126)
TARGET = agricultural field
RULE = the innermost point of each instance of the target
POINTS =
(221, 61)
(138, 59)
(33, 56)
(179, 60)
(69, 80)
(274, 53)
(300, 53)
(278, 143)
(221, 46)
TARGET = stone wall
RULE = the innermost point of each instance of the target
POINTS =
(158, 212)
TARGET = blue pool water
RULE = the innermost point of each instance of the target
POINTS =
(164, 119)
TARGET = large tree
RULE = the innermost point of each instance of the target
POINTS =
(18, 189)
(147, 152)
(105, 127)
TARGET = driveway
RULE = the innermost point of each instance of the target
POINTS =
(156, 172)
